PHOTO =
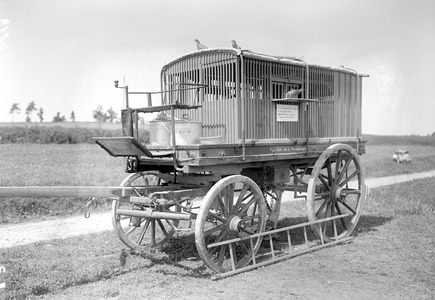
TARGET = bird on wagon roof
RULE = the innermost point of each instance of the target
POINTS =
(200, 46)
(235, 46)
(293, 93)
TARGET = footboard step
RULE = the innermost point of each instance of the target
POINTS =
(122, 146)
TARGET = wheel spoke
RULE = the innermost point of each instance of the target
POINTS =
(332, 208)
(162, 227)
(130, 230)
(329, 168)
(230, 198)
(251, 217)
(332, 222)
(222, 235)
(214, 229)
(328, 208)
(348, 207)
(338, 163)
(225, 201)
(214, 216)
(320, 196)
(352, 192)
(343, 221)
(272, 196)
(243, 246)
(221, 255)
(221, 202)
(240, 199)
(322, 206)
(253, 213)
(142, 234)
(245, 208)
(153, 233)
(349, 178)
(250, 232)
(322, 178)
(345, 167)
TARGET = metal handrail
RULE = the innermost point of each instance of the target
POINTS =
(125, 88)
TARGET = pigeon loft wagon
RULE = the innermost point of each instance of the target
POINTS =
(234, 132)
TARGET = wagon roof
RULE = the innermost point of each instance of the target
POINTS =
(255, 55)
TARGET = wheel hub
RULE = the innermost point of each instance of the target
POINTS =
(235, 224)
(337, 193)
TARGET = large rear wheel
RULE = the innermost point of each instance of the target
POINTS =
(234, 207)
(336, 187)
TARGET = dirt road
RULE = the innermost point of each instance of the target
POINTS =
(21, 234)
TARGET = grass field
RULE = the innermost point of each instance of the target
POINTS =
(46, 165)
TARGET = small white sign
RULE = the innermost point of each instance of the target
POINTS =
(287, 113)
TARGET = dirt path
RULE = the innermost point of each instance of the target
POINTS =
(22, 234)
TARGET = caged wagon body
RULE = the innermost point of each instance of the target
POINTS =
(235, 129)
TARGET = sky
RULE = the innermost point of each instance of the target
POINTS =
(65, 54)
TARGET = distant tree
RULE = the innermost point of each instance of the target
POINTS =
(15, 109)
(29, 110)
(41, 114)
(99, 115)
(58, 118)
(73, 116)
(111, 115)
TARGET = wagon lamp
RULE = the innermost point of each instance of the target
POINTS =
(125, 89)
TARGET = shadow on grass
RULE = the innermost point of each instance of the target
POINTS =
(178, 252)
(369, 223)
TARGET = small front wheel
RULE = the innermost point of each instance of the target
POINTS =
(139, 233)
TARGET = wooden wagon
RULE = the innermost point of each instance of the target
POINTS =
(267, 124)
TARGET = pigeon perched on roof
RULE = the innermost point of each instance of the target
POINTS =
(235, 46)
(293, 93)
(200, 46)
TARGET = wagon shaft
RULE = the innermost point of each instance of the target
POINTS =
(58, 191)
